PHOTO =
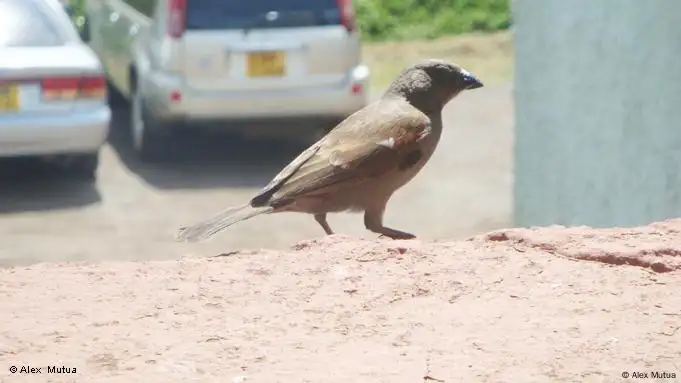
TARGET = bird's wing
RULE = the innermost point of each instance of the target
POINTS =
(367, 144)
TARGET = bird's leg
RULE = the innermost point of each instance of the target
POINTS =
(373, 221)
(321, 219)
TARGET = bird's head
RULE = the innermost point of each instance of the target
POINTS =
(431, 84)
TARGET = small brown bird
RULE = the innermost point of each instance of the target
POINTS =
(359, 164)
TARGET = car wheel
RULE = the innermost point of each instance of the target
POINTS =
(115, 98)
(145, 132)
(83, 166)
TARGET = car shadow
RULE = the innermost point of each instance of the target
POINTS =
(31, 185)
(201, 159)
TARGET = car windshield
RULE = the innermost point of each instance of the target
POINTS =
(246, 14)
(28, 23)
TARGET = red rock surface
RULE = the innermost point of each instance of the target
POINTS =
(520, 305)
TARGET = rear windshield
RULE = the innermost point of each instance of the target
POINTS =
(248, 14)
(28, 23)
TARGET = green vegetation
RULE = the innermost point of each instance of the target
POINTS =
(383, 20)
(78, 13)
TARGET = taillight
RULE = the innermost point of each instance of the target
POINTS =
(175, 96)
(70, 88)
(93, 87)
(176, 18)
(347, 13)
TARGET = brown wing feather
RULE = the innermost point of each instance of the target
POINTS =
(365, 145)
(263, 197)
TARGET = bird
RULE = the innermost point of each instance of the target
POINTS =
(362, 161)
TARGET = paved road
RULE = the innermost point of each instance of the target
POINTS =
(134, 209)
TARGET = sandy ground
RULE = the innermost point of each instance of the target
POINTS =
(520, 305)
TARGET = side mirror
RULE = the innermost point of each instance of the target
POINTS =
(84, 30)
(68, 8)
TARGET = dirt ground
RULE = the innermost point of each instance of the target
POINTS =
(133, 210)
(540, 305)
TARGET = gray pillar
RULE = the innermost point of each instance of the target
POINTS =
(598, 112)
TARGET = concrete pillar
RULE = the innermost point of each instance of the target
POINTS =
(598, 112)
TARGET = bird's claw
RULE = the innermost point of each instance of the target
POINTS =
(397, 236)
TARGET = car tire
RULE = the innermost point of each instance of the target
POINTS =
(83, 166)
(146, 133)
(115, 99)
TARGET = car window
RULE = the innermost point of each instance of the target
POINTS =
(246, 14)
(146, 7)
(29, 23)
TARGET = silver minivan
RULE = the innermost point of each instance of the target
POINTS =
(193, 62)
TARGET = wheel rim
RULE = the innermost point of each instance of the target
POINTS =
(137, 122)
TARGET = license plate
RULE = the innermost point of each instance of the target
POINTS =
(262, 64)
(9, 98)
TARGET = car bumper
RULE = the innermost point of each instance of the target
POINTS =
(79, 131)
(328, 101)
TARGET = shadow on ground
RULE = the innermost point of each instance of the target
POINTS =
(201, 159)
(32, 185)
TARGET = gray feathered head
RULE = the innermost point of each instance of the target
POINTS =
(431, 84)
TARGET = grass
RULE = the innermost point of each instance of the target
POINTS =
(487, 55)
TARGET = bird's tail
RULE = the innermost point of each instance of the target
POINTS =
(226, 218)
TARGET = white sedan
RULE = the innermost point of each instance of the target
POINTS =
(53, 97)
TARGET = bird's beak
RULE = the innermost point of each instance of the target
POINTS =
(472, 82)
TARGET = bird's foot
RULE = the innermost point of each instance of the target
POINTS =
(395, 234)
(321, 219)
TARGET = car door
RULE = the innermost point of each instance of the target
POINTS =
(134, 23)
(94, 13)
(116, 44)
(99, 19)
